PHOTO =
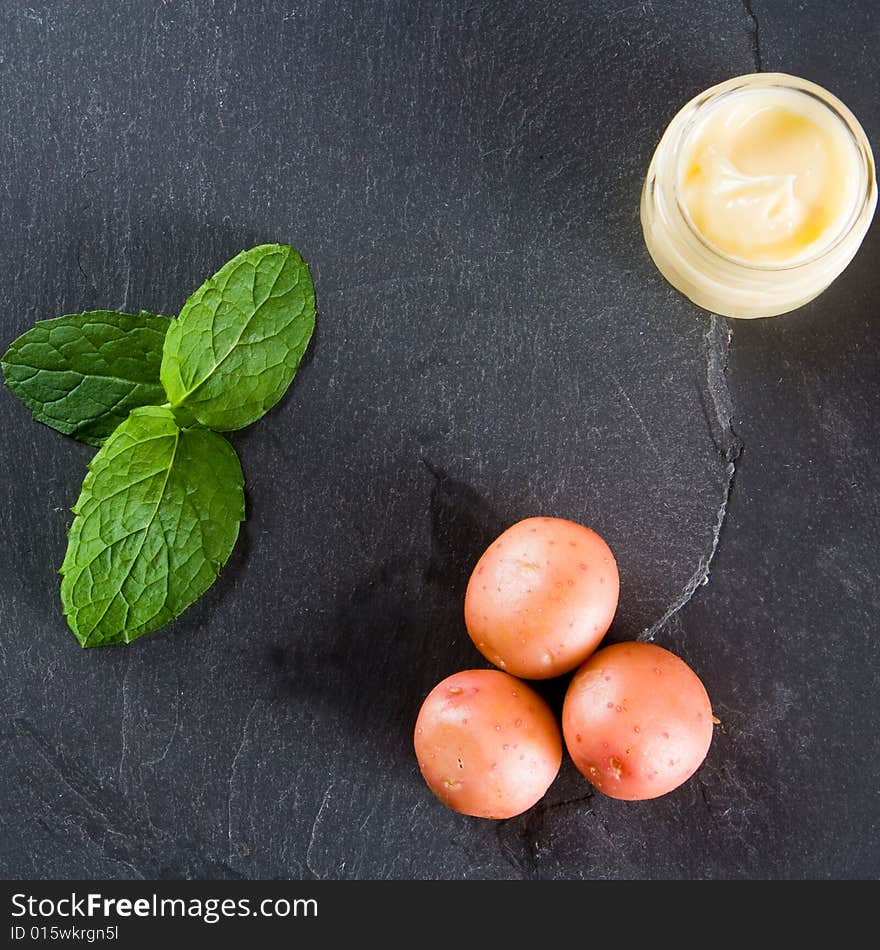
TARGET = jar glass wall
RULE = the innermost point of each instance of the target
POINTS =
(729, 284)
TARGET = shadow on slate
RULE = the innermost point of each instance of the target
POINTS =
(383, 649)
(463, 525)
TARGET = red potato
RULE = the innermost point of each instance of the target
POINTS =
(541, 597)
(637, 721)
(487, 744)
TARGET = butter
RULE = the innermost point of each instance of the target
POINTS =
(769, 176)
(758, 195)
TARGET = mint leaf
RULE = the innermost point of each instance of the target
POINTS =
(239, 339)
(83, 373)
(157, 517)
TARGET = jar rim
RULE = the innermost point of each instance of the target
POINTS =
(851, 125)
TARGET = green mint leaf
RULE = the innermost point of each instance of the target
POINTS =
(236, 346)
(84, 372)
(157, 517)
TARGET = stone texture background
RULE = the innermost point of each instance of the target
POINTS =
(493, 342)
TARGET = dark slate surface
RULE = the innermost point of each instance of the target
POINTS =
(493, 342)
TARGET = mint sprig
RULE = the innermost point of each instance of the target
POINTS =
(160, 507)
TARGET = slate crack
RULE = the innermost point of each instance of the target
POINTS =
(108, 821)
(755, 36)
(231, 851)
(314, 831)
(519, 838)
(704, 794)
(729, 446)
(522, 853)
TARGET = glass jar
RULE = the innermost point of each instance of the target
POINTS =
(715, 280)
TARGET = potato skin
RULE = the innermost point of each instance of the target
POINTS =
(487, 744)
(542, 597)
(637, 721)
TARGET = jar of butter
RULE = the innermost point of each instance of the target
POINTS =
(758, 195)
